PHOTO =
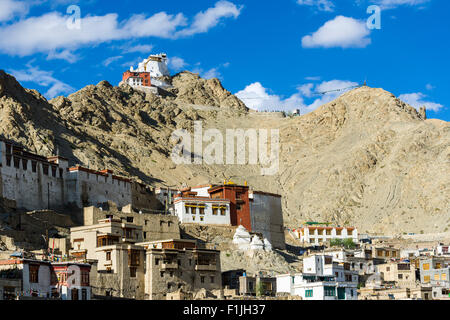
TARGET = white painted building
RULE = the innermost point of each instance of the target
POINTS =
(317, 235)
(358, 259)
(134, 81)
(322, 279)
(156, 64)
(442, 250)
(45, 279)
(202, 210)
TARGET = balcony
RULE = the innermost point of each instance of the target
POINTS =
(169, 266)
(205, 267)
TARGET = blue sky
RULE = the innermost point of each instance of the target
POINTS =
(272, 54)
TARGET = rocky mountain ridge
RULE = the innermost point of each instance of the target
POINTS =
(366, 158)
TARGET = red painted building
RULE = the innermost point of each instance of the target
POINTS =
(137, 78)
(239, 203)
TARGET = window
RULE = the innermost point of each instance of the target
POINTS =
(16, 162)
(201, 218)
(145, 235)
(436, 277)
(133, 272)
(34, 274)
(156, 262)
(130, 219)
(45, 169)
(202, 279)
(214, 211)
(24, 164)
(400, 276)
(85, 278)
(308, 293)
(212, 279)
(329, 291)
(83, 294)
(426, 279)
(444, 276)
(202, 211)
(108, 255)
(426, 266)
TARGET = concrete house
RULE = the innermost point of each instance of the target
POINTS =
(37, 279)
(322, 279)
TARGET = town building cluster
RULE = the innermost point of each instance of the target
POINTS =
(128, 242)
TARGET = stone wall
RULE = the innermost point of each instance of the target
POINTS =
(267, 218)
(154, 226)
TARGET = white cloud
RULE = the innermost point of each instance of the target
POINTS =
(177, 63)
(256, 97)
(11, 8)
(110, 60)
(144, 48)
(322, 5)
(49, 32)
(63, 55)
(417, 100)
(212, 73)
(391, 4)
(429, 86)
(203, 21)
(341, 32)
(132, 63)
(328, 88)
(44, 79)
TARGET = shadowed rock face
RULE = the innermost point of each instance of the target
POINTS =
(365, 159)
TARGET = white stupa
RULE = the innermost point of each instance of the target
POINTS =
(242, 238)
(256, 244)
(267, 245)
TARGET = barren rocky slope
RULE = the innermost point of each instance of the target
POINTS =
(366, 158)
